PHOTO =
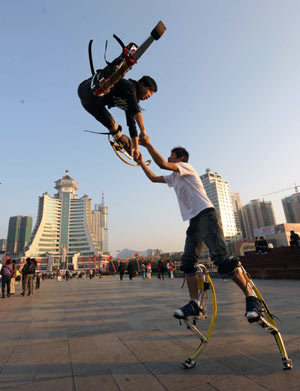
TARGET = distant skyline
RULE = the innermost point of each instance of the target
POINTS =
(116, 248)
(228, 91)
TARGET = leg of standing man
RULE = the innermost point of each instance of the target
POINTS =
(8, 278)
(3, 286)
(12, 285)
(205, 228)
(26, 284)
(30, 282)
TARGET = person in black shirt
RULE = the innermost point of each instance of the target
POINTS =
(295, 240)
(126, 95)
(130, 270)
(121, 270)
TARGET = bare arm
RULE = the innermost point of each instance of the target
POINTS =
(153, 178)
(140, 121)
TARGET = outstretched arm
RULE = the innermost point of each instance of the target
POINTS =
(153, 178)
(159, 160)
(140, 121)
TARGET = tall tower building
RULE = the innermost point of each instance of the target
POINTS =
(291, 207)
(218, 192)
(258, 214)
(238, 215)
(63, 225)
(100, 224)
(19, 230)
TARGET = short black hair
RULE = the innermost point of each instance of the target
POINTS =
(181, 152)
(148, 82)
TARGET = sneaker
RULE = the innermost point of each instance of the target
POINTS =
(254, 308)
(124, 142)
(190, 309)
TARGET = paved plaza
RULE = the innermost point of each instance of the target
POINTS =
(111, 335)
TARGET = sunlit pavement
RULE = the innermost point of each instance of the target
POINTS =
(107, 334)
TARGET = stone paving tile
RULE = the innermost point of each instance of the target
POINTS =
(238, 383)
(95, 382)
(62, 383)
(206, 371)
(111, 335)
(136, 376)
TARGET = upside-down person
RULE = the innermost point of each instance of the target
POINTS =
(126, 95)
(204, 227)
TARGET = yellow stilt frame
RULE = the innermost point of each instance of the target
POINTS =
(205, 285)
(267, 322)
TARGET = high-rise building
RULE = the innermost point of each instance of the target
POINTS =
(258, 214)
(63, 225)
(100, 224)
(238, 215)
(19, 230)
(218, 192)
(3, 245)
(291, 207)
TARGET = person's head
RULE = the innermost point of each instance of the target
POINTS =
(292, 232)
(8, 262)
(147, 87)
(33, 261)
(28, 260)
(178, 155)
(14, 261)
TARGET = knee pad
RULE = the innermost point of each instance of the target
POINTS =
(116, 133)
(188, 269)
(228, 266)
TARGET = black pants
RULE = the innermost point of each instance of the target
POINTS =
(94, 105)
(130, 275)
(6, 280)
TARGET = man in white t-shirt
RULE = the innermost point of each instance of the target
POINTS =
(204, 227)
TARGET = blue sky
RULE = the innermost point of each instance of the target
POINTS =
(228, 91)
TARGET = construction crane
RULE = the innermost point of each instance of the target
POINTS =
(279, 191)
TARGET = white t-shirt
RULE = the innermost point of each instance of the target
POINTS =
(191, 195)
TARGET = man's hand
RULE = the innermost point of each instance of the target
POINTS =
(141, 137)
(145, 141)
(139, 158)
(136, 155)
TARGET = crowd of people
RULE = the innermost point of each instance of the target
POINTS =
(10, 274)
(146, 270)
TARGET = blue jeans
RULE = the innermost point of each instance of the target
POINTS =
(204, 228)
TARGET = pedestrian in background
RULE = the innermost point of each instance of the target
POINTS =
(294, 240)
(130, 270)
(257, 245)
(13, 277)
(28, 273)
(38, 281)
(149, 270)
(161, 269)
(171, 269)
(121, 270)
(6, 273)
(143, 270)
